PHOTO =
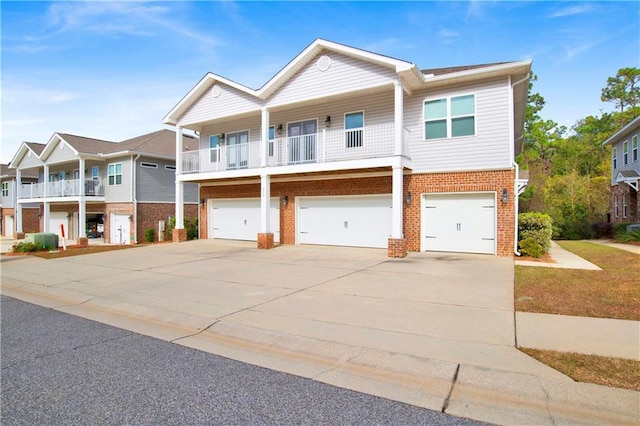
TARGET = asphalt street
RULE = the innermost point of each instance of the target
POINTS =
(62, 369)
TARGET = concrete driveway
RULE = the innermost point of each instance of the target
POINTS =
(432, 330)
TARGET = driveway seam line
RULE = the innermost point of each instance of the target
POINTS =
(445, 404)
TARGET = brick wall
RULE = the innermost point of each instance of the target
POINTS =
(30, 220)
(417, 184)
(633, 206)
(149, 214)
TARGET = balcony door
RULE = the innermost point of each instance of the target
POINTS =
(302, 141)
(237, 150)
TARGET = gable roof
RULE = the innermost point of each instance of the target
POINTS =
(26, 147)
(161, 143)
(5, 171)
(622, 132)
(411, 76)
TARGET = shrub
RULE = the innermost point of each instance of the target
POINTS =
(150, 235)
(191, 225)
(26, 247)
(629, 236)
(602, 229)
(537, 229)
(531, 247)
(620, 229)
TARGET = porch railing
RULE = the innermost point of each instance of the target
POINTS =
(325, 146)
(62, 188)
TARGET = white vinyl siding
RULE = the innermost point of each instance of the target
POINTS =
(344, 75)
(489, 148)
(29, 160)
(62, 152)
(231, 101)
(122, 192)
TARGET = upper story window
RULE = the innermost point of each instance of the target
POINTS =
(115, 174)
(614, 157)
(634, 148)
(450, 117)
(214, 146)
(353, 129)
(625, 152)
(272, 137)
(5, 189)
(95, 173)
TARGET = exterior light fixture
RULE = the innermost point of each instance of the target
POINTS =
(279, 129)
(505, 196)
(408, 199)
(202, 201)
(222, 137)
(285, 200)
(327, 122)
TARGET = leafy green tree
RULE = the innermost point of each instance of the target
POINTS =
(623, 89)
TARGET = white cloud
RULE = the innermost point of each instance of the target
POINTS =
(578, 9)
(447, 36)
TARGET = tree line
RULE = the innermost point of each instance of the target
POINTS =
(570, 171)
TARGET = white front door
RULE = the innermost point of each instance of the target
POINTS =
(352, 220)
(120, 229)
(56, 220)
(239, 219)
(8, 226)
(459, 222)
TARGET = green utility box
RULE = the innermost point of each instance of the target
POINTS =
(42, 239)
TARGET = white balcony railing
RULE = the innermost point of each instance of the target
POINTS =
(62, 188)
(326, 146)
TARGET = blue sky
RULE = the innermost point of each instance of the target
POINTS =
(112, 70)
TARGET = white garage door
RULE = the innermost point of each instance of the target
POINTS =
(8, 226)
(55, 220)
(120, 229)
(239, 219)
(358, 221)
(459, 222)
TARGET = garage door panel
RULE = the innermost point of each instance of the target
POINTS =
(459, 222)
(358, 221)
(239, 219)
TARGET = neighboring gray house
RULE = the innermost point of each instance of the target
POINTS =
(625, 173)
(100, 189)
(351, 148)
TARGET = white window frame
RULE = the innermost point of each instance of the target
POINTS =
(449, 118)
(625, 153)
(625, 204)
(95, 172)
(115, 174)
(147, 165)
(614, 158)
(5, 189)
(634, 148)
(354, 138)
(616, 206)
(214, 153)
(271, 141)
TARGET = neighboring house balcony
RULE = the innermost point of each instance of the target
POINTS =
(61, 189)
(326, 146)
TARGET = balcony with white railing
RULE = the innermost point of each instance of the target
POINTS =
(62, 188)
(326, 146)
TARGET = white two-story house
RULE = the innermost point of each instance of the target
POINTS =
(8, 198)
(351, 148)
(625, 173)
(101, 189)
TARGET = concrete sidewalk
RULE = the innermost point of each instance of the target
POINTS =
(432, 330)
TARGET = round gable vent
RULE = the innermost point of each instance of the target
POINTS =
(324, 62)
(215, 91)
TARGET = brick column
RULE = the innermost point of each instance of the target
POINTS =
(397, 247)
(265, 241)
(179, 235)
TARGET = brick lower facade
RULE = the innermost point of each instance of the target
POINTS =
(149, 214)
(619, 192)
(265, 241)
(417, 184)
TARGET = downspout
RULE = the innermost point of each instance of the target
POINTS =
(516, 195)
(134, 198)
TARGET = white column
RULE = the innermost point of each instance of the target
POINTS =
(179, 185)
(45, 217)
(18, 206)
(396, 202)
(82, 204)
(264, 138)
(265, 204)
(398, 118)
(45, 194)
